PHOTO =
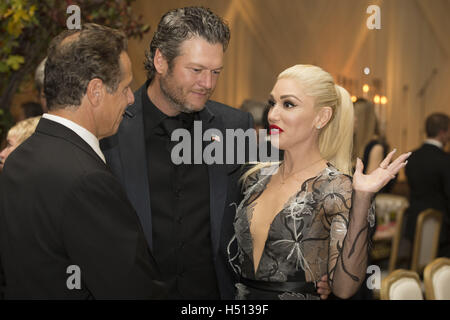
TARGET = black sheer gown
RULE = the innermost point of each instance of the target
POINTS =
(317, 232)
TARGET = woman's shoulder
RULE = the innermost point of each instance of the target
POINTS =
(255, 173)
(336, 179)
(335, 173)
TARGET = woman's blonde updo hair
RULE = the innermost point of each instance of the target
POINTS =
(336, 137)
(24, 129)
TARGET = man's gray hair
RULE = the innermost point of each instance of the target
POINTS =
(39, 75)
(183, 24)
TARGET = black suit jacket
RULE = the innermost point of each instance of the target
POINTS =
(62, 206)
(126, 154)
(428, 173)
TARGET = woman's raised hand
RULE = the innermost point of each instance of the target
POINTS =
(376, 180)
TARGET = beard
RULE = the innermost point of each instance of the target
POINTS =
(177, 96)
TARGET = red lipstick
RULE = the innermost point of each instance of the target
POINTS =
(274, 129)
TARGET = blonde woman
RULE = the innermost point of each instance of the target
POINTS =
(369, 144)
(306, 217)
(16, 135)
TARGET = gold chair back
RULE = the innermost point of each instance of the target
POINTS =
(396, 240)
(436, 277)
(426, 239)
(401, 285)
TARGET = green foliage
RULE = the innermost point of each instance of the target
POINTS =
(15, 15)
(27, 27)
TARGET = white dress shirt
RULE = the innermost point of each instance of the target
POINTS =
(435, 142)
(84, 134)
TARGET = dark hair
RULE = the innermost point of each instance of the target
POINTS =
(182, 24)
(265, 116)
(75, 57)
(256, 109)
(436, 123)
(31, 109)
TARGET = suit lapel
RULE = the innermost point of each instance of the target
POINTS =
(217, 180)
(134, 163)
(54, 128)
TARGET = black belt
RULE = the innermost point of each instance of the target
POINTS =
(288, 286)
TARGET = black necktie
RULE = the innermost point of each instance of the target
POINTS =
(182, 120)
(187, 120)
(170, 124)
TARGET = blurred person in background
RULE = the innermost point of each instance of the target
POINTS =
(256, 109)
(428, 174)
(30, 109)
(369, 144)
(259, 112)
(16, 135)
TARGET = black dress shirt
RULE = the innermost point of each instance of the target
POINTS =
(180, 205)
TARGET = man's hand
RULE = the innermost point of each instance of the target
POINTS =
(323, 288)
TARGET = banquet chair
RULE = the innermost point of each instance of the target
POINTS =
(401, 285)
(388, 206)
(436, 277)
(395, 246)
(426, 239)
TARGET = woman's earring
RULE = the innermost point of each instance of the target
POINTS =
(318, 127)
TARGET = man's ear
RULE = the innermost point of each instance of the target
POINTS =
(95, 91)
(443, 136)
(323, 117)
(160, 62)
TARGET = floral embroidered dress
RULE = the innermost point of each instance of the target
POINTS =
(317, 232)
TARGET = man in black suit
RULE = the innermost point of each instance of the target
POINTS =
(67, 228)
(428, 173)
(186, 210)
